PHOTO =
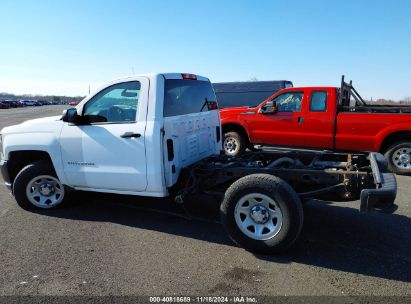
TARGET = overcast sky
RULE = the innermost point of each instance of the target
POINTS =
(60, 47)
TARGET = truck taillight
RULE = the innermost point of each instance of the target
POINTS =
(212, 105)
(189, 76)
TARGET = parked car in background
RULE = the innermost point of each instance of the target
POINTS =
(29, 103)
(247, 93)
(17, 104)
(327, 118)
(74, 103)
(20, 104)
(4, 105)
(11, 103)
(43, 102)
(14, 103)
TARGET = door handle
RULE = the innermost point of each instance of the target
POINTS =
(300, 120)
(130, 135)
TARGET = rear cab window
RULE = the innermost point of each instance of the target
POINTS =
(318, 101)
(182, 97)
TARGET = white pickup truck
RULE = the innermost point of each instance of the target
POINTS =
(159, 135)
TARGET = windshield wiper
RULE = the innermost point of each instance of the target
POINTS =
(204, 104)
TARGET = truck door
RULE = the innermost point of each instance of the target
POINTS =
(319, 120)
(283, 127)
(107, 151)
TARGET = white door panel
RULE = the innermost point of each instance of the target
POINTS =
(96, 156)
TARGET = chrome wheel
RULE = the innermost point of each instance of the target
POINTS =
(258, 216)
(45, 191)
(231, 145)
(401, 158)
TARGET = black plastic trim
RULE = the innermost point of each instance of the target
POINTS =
(170, 149)
(385, 192)
(5, 174)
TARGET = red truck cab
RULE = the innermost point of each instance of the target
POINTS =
(326, 118)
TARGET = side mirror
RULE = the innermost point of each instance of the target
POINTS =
(70, 115)
(269, 108)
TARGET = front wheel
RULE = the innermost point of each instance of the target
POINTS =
(37, 187)
(398, 156)
(262, 213)
(234, 143)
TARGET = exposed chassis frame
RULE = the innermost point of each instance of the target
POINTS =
(311, 174)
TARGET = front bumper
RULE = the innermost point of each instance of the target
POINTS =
(383, 196)
(5, 174)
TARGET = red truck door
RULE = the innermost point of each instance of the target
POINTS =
(319, 118)
(283, 128)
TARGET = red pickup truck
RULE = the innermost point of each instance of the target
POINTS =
(327, 118)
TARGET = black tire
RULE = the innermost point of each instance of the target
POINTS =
(237, 140)
(26, 175)
(286, 199)
(389, 155)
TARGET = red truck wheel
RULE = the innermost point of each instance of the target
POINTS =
(234, 143)
(398, 156)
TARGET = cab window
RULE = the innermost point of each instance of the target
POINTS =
(115, 104)
(318, 102)
(183, 97)
(289, 102)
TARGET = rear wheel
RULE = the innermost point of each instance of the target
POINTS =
(398, 156)
(262, 213)
(234, 143)
(37, 187)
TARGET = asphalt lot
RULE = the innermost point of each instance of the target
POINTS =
(113, 245)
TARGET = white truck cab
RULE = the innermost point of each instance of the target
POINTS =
(132, 136)
(159, 135)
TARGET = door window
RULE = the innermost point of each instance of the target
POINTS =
(289, 102)
(115, 104)
(318, 102)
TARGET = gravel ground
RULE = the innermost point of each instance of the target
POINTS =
(114, 245)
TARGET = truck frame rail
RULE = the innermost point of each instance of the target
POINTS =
(311, 174)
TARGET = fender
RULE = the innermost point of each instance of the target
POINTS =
(234, 116)
(387, 131)
(41, 142)
(240, 124)
(36, 135)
